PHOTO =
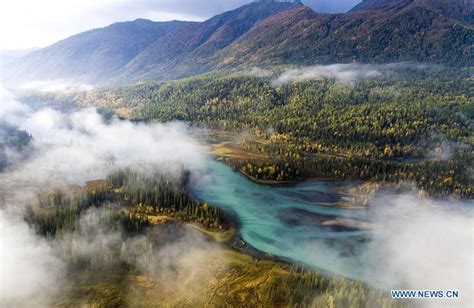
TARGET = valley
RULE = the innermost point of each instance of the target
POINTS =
(271, 155)
(161, 215)
(412, 129)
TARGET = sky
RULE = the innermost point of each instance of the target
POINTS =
(31, 23)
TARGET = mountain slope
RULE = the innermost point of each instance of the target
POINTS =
(407, 30)
(260, 34)
(186, 50)
(374, 4)
(93, 55)
(7, 56)
(459, 9)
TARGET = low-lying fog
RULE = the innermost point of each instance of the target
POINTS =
(347, 73)
(429, 244)
(70, 149)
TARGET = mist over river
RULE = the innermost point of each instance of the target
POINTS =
(296, 223)
(401, 241)
(286, 221)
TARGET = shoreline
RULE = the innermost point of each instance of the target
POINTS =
(344, 192)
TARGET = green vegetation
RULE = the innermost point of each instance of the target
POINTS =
(381, 130)
(438, 31)
(416, 129)
(13, 139)
(137, 195)
(227, 278)
(258, 34)
(106, 270)
(165, 195)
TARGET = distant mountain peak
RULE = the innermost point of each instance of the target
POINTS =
(90, 56)
(376, 4)
(142, 20)
(280, 1)
(459, 9)
(260, 33)
(466, 5)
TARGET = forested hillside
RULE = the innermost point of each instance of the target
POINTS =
(187, 51)
(415, 129)
(144, 230)
(411, 30)
(258, 34)
(12, 143)
(89, 56)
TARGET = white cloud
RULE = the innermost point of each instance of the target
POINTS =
(34, 271)
(10, 109)
(30, 23)
(80, 146)
(28, 265)
(349, 73)
(54, 86)
(345, 73)
(71, 149)
(424, 245)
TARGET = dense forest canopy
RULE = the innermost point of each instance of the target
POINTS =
(257, 34)
(13, 139)
(413, 126)
(347, 140)
(124, 208)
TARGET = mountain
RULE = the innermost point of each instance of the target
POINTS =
(187, 50)
(263, 33)
(93, 55)
(410, 30)
(9, 55)
(460, 9)
(140, 49)
(373, 4)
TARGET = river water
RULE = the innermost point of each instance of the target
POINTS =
(288, 222)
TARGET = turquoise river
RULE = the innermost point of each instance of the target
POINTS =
(288, 222)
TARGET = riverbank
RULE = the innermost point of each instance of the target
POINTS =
(229, 273)
(226, 147)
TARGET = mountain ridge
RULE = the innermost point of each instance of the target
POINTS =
(260, 34)
(203, 39)
(363, 36)
(94, 54)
